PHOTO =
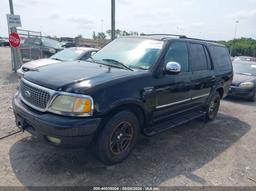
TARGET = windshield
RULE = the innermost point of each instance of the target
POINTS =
(132, 52)
(51, 43)
(68, 54)
(245, 68)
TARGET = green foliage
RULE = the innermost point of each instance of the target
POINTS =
(123, 33)
(99, 36)
(241, 47)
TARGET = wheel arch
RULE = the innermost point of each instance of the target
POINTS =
(133, 106)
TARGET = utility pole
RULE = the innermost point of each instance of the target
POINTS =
(113, 23)
(11, 7)
(235, 33)
(236, 25)
(15, 53)
(9, 31)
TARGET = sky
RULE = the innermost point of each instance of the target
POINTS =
(207, 19)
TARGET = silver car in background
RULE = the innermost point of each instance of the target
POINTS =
(68, 54)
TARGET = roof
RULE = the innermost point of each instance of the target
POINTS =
(174, 36)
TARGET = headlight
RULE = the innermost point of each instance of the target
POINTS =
(72, 105)
(52, 50)
(246, 85)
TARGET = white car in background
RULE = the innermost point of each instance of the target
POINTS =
(66, 55)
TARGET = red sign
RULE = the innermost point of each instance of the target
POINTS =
(14, 40)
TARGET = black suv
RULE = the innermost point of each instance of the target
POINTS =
(133, 85)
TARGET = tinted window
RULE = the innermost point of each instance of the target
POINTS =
(51, 43)
(198, 61)
(178, 53)
(209, 64)
(220, 57)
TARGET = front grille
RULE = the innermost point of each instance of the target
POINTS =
(34, 95)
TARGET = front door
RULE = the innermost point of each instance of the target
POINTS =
(173, 90)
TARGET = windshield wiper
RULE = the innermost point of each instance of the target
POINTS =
(117, 62)
(140, 67)
(57, 59)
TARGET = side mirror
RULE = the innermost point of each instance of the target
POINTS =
(173, 68)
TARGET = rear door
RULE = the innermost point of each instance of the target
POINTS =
(202, 78)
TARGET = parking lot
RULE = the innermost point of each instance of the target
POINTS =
(221, 152)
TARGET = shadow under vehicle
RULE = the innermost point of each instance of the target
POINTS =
(177, 152)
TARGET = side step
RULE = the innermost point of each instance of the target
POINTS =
(174, 121)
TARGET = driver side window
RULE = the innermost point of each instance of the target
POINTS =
(178, 52)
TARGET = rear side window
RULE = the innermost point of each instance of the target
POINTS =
(178, 52)
(220, 57)
(198, 60)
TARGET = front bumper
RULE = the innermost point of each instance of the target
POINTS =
(72, 131)
(235, 91)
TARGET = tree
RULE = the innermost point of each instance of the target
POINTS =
(122, 33)
(94, 35)
(101, 35)
(241, 47)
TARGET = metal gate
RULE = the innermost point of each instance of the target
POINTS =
(31, 45)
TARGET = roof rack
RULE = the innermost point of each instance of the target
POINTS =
(199, 39)
(176, 35)
(180, 36)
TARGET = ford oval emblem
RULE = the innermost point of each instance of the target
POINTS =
(27, 93)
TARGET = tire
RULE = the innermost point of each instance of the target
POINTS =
(117, 138)
(212, 107)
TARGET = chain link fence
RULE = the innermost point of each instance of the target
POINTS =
(31, 45)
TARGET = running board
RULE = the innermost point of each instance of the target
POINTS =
(174, 121)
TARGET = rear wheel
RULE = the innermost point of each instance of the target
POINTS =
(213, 107)
(117, 138)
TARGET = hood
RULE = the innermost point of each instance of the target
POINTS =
(240, 78)
(38, 63)
(62, 75)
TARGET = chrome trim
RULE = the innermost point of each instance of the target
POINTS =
(201, 96)
(50, 91)
(182, 101)
(68, 113)
(53, 95)
(171, 104)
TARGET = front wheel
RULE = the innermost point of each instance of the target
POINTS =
(213, 107)
(117, 138)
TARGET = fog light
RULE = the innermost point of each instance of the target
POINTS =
(54, 140)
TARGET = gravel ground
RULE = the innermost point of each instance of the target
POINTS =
(220, 153)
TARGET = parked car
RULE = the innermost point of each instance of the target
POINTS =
(4, 42)
(245, 58)
(133, 85)
(35, 48)
(244, 82)
(68, 54)
(68, 44)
